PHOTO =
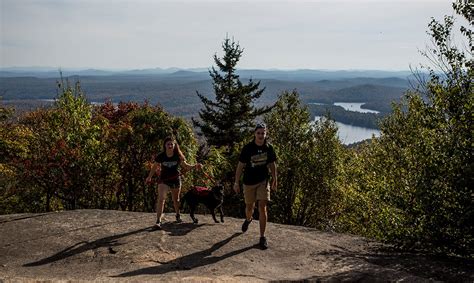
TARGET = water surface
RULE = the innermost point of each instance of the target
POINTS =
(355, 106)
(350, 134)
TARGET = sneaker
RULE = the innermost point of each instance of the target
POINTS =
(158, 225)
(263, 243)
(246, 224)
(178, 218)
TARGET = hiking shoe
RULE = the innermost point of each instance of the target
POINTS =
(246, 224)
(178, 218)
(263, 243)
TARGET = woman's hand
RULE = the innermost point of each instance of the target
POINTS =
(274, 185)
(148, 180)
(198, 166)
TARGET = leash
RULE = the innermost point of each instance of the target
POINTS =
(213, 181)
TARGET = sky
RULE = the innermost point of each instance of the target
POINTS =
(140, 34)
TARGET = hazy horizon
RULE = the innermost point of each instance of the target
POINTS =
(198, 69)
(276, 35)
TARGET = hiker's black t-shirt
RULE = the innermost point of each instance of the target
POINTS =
(256, 159)
(169, 168)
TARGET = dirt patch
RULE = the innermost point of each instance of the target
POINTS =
(88, 245)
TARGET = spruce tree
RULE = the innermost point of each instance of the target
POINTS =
(228, 120)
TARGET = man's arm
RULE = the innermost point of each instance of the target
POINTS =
(238, 173)
(273, 170)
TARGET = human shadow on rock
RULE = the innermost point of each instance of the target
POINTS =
(109, 242)
(190, 261)
(179, 229)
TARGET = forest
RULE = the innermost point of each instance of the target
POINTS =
(411, 187)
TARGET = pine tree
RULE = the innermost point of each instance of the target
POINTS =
(228, 119)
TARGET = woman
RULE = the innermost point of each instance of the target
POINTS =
(166, 166)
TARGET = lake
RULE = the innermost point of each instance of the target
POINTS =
(350, 134)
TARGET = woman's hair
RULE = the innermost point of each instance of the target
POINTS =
(176, 150)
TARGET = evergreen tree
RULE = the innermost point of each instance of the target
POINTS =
(228, 120)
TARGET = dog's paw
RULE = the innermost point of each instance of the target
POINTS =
(195, 221)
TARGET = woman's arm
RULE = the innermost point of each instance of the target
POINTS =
(155, 168)
(186, 166)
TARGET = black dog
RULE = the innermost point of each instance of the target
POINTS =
(211, 198)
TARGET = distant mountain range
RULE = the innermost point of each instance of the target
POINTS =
(203, 73)
(175, 89)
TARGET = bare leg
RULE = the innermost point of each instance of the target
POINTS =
(262, 219)
(175, 196)
(249, 210)
(160, 201)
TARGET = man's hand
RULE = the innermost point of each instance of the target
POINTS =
(236, 187)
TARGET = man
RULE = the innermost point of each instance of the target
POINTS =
(256, 158)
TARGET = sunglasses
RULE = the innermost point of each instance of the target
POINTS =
(260, 126)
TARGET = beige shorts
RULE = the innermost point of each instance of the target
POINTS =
(260, 191)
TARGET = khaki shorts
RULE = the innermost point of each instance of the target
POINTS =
(260, 191)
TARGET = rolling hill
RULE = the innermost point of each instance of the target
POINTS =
(175, 90)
